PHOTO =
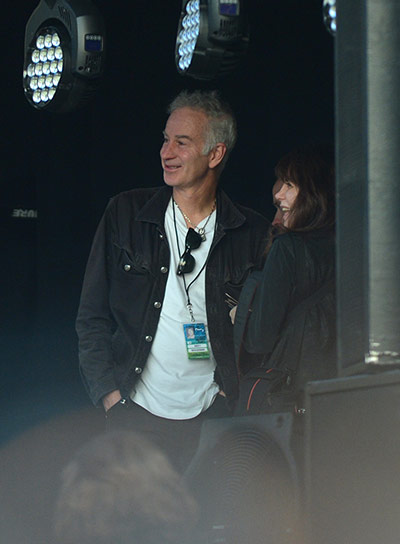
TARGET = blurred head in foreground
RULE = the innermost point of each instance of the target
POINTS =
(120, 488)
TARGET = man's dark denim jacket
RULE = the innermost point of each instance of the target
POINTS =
(125, 282)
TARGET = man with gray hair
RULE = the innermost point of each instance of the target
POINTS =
(155, 337)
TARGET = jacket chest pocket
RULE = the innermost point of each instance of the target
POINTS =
(127, 267)
(130, 287)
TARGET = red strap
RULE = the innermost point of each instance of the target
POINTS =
(251, 393)
(252, 389)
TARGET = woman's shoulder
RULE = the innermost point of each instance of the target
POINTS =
(283, 251)
(313, 238)
(286, 241)
(316, 249)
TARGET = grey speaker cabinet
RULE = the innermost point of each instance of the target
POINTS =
(352, 460)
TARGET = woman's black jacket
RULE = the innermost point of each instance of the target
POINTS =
(297, 266)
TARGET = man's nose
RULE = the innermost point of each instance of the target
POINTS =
(166, 150)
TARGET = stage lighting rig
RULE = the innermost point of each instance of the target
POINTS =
(212, 37)
(329, 15)
(64, 54)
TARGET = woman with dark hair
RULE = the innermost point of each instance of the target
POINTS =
(284, 331)
(308, 180)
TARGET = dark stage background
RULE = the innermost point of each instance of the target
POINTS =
(60, 170)
(67, 167)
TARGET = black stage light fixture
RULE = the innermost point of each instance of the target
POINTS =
(212, 37)
(64, 54)
(329, 15)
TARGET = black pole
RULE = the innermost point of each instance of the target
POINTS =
(367, 71)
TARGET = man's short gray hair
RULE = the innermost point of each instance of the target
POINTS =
(221, 120)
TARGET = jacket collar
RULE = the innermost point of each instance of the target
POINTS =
(154, 209)
(228, 215)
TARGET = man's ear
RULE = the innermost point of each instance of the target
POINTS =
(216, 155)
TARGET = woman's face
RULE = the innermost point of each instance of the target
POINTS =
(286, 197)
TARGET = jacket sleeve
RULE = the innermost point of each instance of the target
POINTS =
(270, 299)
(95, 324)
(243, 310)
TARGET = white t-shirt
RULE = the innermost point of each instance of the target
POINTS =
(172, 385)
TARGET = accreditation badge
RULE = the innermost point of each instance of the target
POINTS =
(196, 341)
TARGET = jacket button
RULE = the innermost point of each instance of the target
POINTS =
(161, 236)
(148, 338)
(138, 370)
(157, 304)
(164, 269)
(127, 267)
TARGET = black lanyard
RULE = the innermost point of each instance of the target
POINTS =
(187, 287)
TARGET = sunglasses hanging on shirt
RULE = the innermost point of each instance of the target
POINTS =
(186, 261)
